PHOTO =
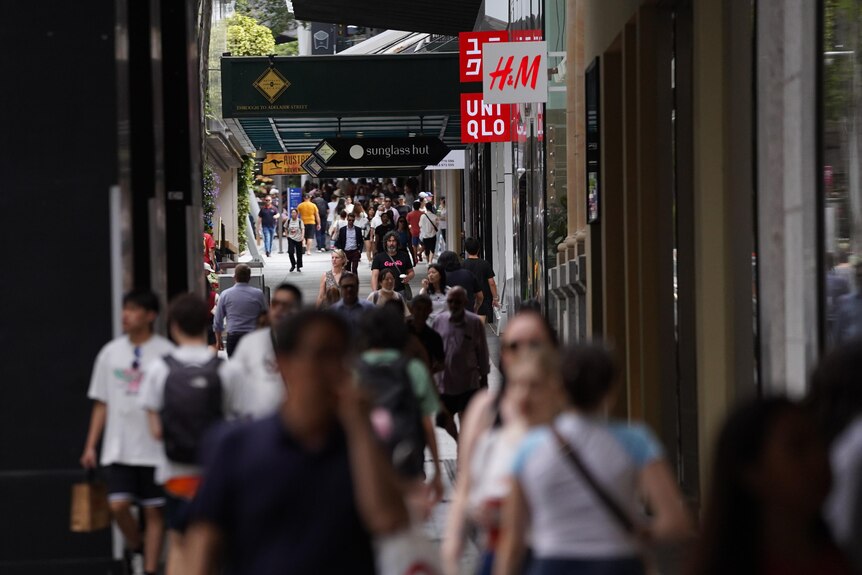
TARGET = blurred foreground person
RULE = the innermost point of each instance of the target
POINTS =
(305, 490)
(403, 402)
(770, 478)
(129, 452)
(836, 398)
(253, 363)
(490, 426)
(185, 393)
(576, 482)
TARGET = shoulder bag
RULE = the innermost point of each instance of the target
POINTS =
(408, 291)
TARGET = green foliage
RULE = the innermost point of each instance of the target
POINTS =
(287, 49)
(245, 37)
(271, 13)
(210, 192)
(841, 19)
(245, 181)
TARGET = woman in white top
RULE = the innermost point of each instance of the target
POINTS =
(369, 236)
(434, 286)
(489, 429)
(571, 529)
(387, 292)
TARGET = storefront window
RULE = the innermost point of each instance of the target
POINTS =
(528, 162)
(842, 168)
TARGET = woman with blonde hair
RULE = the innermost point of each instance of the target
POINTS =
(331, 278)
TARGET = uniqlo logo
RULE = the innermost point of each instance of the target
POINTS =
(470, 49)
(481, 122)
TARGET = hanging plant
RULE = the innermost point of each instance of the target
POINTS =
(245, 182)
(211, 191)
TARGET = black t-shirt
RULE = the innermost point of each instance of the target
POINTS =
(399, 261)
(403, 211)
(466, 280)
(322, 207)
(281, 508)
(483, 272)
(381, 231)
(267, 217)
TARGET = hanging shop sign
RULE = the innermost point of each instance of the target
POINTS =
(483, 122)
(470, 52)
(515, 72)
(283, 164)
(338, 156)
(454, 160)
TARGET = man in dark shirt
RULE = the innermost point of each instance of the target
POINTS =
(485, 274)
(305, 490)
(384, 228)
(458, 276)
(267, 216)
(393, 258)
(432, 343)
(323, 209)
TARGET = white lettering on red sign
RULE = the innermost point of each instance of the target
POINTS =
(482, 122)
(470, 49)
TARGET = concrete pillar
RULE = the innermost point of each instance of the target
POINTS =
(787, 54)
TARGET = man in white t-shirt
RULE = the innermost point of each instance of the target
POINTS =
(428, 228)
(198, 374)
(128, 450)
(254, 363)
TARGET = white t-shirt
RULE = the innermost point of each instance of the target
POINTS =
(253, 366)
(844, 505)
(127, 439)
(376, 221)
(331, 215)
(426, 225)
(567, 519)
(153, 394)
(441, 219)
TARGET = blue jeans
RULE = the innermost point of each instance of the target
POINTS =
(321, 237)
(267, 238)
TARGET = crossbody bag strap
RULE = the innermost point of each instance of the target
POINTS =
(430, 221)
(396, 265)
(610, 504)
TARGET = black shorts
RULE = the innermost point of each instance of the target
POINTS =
(309, 231)
(178, 512)
(457, 403)
(429, 244)
(134, 483)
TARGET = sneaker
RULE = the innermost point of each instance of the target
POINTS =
(292, 268)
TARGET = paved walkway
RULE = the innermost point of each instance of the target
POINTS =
(277, 270)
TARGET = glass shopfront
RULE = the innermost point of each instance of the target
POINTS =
(528, 164)
(841, 169)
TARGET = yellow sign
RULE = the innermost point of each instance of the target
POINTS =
(284, 164)
(271, 84)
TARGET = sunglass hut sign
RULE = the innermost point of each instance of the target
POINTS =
(358, 152)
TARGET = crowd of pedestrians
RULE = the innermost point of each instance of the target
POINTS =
(312, 448)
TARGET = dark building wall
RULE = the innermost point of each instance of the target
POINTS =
(58, 151)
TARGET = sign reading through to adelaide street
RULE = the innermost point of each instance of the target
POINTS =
(343, 156)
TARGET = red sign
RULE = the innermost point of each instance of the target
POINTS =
(482, 122)
(470, 49)
(526, 35)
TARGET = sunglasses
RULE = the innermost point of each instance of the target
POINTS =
(527, 344)
(136, 363)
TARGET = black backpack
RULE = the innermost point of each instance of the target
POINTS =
(392, 394)
(192, 404)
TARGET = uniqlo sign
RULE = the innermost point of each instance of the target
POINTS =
(481, 122)
(515, 72)
(470, 50)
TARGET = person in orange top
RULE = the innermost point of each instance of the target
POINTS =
(310, 216)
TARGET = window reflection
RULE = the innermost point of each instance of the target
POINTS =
(842, 180)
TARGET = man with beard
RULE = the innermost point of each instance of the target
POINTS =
(393, 258)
